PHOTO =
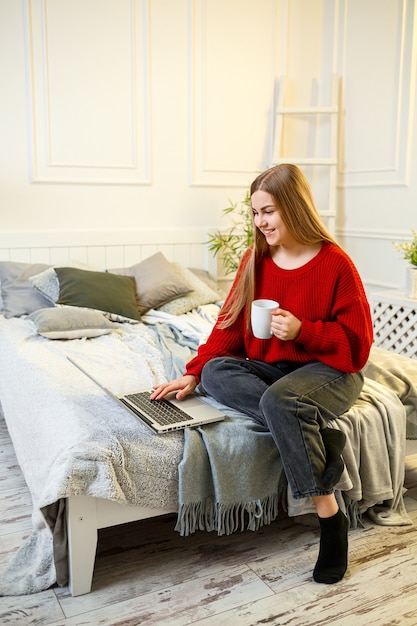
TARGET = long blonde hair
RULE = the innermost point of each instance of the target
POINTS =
(292, 195)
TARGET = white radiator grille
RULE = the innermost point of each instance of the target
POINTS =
(395, 327)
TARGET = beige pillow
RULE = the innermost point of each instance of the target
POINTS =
(201, 293)
(157, 282)
(205, 276)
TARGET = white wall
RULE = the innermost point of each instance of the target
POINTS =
(127, 114)
(378, 186)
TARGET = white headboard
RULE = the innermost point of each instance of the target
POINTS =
(106, 249)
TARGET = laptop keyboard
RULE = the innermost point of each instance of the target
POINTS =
(162, 411)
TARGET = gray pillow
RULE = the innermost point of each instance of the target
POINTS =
(18, 294)
(68, 322)
(157, 282)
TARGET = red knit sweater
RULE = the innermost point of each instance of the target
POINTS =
(326, 294)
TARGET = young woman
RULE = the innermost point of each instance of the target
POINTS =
(309, 371)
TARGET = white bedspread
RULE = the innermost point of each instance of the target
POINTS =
(79, 440)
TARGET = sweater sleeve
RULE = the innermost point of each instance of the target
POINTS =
(344, 341)
(222, 341)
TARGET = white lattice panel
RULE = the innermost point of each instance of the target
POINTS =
(395, 324)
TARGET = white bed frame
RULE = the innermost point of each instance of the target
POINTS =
(85, 516)
(102, 249)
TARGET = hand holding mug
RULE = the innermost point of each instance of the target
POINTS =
(285, 326)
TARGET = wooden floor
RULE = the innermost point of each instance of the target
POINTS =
(147, 574)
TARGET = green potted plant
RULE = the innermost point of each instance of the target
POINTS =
(409, 252)
(230, 244)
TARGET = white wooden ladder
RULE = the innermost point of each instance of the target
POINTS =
(327, 208)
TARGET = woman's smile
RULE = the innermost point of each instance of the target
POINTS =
(267, 217)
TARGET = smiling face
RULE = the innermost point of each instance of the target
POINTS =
(268, 220)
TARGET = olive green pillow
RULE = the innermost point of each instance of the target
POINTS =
(104, 291)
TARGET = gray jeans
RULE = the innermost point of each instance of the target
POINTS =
(293, 401)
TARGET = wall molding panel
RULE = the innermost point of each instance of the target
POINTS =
(89, 102)
(379, 70)
(372, 249)
(223, 142)
(381, 234)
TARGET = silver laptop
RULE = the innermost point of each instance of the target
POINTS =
(165, 415)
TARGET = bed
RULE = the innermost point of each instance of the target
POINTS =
(135, 316)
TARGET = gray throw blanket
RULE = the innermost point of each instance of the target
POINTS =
(230, 477)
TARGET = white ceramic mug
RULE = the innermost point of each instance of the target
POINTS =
(261, 317)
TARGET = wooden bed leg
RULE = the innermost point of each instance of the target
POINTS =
(82, 542)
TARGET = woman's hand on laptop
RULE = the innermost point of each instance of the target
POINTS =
(183, 386)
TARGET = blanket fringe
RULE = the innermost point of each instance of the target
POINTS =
(353, 512)
(226, 518)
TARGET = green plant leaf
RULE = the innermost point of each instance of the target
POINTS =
(233, 242)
